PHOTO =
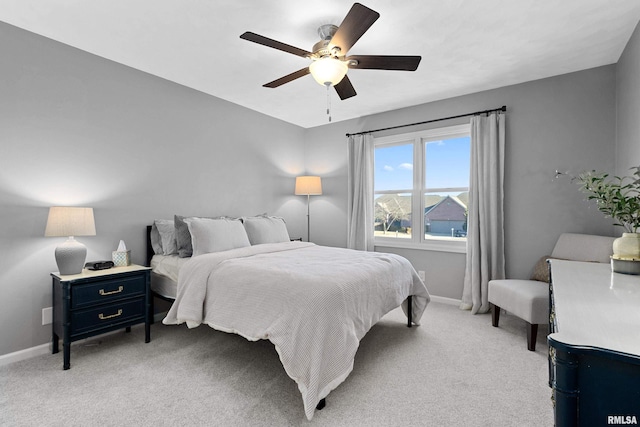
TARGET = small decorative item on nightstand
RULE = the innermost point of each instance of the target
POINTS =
(99, 265)
(121, 257)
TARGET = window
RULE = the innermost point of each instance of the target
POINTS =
(421, 188)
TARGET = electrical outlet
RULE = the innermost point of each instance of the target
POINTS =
(47, 316)
(421, 275)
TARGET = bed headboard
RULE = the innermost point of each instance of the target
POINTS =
(149, 248)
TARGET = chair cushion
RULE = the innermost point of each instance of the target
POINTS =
(583, 247)
(527, 299)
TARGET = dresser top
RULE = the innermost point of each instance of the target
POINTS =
(86, 274)
(595, 307)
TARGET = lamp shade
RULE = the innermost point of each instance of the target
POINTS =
(308, 186)
(64, 221)
(328, 71)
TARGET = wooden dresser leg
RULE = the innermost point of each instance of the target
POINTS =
(66, 355)
(55, 342)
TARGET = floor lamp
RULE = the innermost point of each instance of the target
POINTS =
(308, 186)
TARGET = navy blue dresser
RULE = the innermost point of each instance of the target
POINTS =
(594, 345)
(95, 302)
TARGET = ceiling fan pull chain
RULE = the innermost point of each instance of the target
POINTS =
(328, 101)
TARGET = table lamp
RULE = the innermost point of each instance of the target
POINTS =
(70, 221)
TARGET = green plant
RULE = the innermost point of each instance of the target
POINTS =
(616, 197)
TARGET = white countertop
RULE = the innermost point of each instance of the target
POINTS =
(596, 307)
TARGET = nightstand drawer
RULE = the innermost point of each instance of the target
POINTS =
(104, 291)
(106, 315)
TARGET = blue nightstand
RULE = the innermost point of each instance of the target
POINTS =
(95, 302)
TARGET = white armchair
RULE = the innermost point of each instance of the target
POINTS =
(529, 299)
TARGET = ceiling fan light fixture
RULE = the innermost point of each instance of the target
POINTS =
(329, 55)
(328, 71)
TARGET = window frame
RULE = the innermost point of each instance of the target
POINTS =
(419, 140)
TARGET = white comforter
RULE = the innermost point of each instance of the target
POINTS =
(313, 303)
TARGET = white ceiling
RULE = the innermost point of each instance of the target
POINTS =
(466, 45)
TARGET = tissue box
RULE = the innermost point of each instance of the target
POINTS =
(121, 258)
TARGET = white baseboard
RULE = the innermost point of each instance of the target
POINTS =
(445, 300)
(25, 354)
(41, 349)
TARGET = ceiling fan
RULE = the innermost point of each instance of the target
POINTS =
(330, 63)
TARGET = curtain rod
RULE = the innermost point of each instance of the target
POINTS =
(503, 108)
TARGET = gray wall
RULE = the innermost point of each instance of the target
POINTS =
(628, 106)
(565, 122)
(76, 129)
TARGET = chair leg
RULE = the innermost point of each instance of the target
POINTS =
(532, 333)
(495, 315)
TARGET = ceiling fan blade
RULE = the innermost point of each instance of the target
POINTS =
(385, 62)
(289, 77)
(345, 88)
(354, 25)
(265, 41)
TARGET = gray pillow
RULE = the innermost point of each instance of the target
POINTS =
(183, 237)
(166, 230)
(266, 229)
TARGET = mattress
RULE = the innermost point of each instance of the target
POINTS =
(164, 274)
(163, 286)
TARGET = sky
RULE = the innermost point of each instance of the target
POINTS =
(447, 165)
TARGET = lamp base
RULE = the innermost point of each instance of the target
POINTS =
(70, 256)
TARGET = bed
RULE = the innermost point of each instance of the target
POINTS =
(314, 303)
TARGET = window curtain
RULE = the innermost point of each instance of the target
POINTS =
(485, 232)
(360, 193)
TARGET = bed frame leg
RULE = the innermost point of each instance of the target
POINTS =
(409, 305)
(321, 404)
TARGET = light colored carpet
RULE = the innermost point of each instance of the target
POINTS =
(454, 370)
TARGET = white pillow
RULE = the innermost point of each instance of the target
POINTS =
(216, 235)
(167, 231)
(266, 229)
(156, 241)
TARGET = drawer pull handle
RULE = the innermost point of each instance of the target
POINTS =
(111, 316)
(117, 291)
